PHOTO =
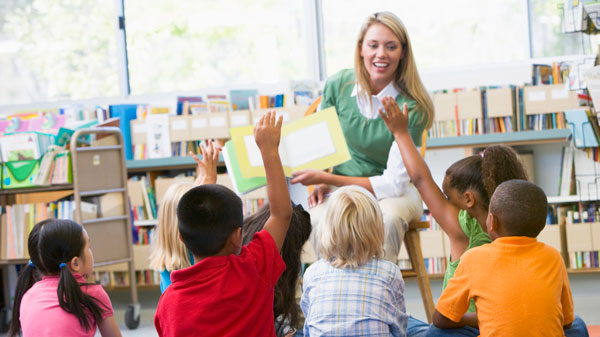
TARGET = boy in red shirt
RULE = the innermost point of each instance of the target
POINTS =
(229, 290)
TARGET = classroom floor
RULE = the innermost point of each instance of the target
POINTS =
(585, 288)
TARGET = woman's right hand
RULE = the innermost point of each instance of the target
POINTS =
(318, 194)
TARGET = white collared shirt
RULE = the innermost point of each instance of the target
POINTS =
(394, 180)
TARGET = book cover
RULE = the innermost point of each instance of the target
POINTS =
(581, 128)
(240, 184)
(158, 137)
(125, 113)
(315, 141)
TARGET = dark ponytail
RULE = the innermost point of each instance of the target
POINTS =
(482, 173)
(500, 163)
(29, 275)
(284, 304)
(59, 242)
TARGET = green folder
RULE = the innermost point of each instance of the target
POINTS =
(241, 185)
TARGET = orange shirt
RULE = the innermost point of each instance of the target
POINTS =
(519, 285)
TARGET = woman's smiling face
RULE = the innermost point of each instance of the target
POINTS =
(381, 52)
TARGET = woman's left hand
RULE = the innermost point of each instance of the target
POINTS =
(309, 177)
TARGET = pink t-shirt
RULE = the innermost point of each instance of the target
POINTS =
(42, 316)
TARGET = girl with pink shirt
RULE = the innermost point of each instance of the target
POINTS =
(52, 296)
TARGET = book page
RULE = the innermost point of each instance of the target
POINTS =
(254, 155)
(308, 144)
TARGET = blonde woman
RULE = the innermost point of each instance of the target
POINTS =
(383, 66)
(351, 290)
(169, 253)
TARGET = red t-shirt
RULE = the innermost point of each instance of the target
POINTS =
(224, 295)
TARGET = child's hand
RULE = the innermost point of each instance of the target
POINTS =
(396, 120)
(267, 132)
(206, 171)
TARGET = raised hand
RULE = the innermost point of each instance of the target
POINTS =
(267, 132)
(395, 120)
(206, 169)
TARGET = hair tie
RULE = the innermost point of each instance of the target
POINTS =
(31, 264)
(62, 265)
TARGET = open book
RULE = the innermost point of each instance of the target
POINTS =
(315, 142)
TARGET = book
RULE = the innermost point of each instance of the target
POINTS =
(158, 138)
(312, 142)
(243, 99)
(125, 113)
(566, 173)
(582, 127)
(240, 184)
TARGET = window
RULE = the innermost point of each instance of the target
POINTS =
(547, 34)
(442, 33)
(187, 45)
(57, 49)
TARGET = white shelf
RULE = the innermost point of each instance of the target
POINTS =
(571, 199)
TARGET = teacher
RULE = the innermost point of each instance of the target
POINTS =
(384, 65)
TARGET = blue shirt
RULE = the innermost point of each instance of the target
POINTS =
(366, 301)
(165, 275)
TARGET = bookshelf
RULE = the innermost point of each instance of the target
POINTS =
(96, 172)
(509, 138)
(578, 240)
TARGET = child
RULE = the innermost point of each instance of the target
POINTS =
(462, 208)
(229, 290)
(169, 253)
(520, 286)
(351, 290)
(61, 303)
(285, 310)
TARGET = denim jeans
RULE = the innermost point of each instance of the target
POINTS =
(417, 328)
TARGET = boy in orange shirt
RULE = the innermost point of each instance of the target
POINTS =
(519, 285)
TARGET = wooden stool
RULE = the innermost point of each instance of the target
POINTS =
(412, 242)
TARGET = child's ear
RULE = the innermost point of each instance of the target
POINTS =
(469, 199)
(236, 238)
(492, 224)
(75, 264)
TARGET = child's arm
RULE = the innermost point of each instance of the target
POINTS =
(108, 327)
(443, 322)
(206, 171)
(444, 212)
(266, 134)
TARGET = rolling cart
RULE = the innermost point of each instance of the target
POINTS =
(97, 171)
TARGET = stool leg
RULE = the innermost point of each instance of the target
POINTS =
(413, 247)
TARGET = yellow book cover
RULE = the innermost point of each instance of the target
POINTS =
(313, 142)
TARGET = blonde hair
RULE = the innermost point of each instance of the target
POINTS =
(169, 252)
(407, 77)
(351, 232)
